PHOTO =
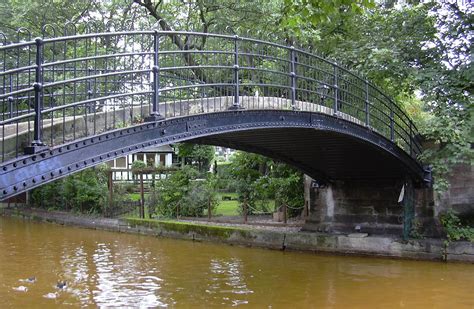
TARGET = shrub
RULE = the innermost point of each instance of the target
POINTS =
(85, 191)
(182, 190)
(455, 230)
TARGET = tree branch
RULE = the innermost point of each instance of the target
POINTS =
(188, 58)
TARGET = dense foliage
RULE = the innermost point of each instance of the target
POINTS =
(417, 51)
(259, 179)
(183, 194)
(199, 156)
(85, 192)
(454, 228)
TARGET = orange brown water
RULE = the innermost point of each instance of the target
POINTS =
(106, 269)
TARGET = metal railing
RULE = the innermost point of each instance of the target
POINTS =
(54, 90)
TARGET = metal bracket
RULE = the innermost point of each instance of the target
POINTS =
(34, 149)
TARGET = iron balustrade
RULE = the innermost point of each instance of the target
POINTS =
(54, 90)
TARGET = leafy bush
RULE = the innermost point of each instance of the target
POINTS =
(138, 165)
(197, 199)
(199, 156)
(455, 230)
(85, 191)
(47, 196)
(182, 190)
(260, 179)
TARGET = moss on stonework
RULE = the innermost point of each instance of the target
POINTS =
(222, 232)
(320, 240)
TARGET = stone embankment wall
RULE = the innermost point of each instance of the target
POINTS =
(423, 249)
(460, 196)
(373, 207)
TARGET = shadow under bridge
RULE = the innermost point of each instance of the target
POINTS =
(70, 108)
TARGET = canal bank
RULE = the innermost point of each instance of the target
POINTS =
(264, 237)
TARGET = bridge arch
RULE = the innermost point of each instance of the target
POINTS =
(298, 138)
(88, 98)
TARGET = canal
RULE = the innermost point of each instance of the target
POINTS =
(107, 269)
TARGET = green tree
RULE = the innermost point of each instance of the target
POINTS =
(260, 179)
(447, 83)
(34, 14)
(85, 191)
(182, 193)
(418, 53)
(197, 155)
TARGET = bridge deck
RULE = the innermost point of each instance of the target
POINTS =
(88, 103)
(60, 130)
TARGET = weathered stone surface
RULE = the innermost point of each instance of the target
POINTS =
(460, 196)
(357, 235)
(340, 207)
(430, 249)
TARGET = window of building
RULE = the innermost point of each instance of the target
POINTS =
(121, 162)
(150, 159)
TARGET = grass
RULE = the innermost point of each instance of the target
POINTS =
(231, 208)
(227, 208)
(232, 195)
(135, 196)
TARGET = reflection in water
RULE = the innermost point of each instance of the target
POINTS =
(116, 280)
(226, 279)
(123, 284)
(106, 269)
(75, 271)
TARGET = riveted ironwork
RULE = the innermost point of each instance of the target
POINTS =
(62, 92)
(87, 153)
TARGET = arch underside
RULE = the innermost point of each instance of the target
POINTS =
(325, 147)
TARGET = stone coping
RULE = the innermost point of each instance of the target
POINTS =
(252, 236)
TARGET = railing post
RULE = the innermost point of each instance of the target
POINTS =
(336, 91)
(10, 105)
(155, 108)
(411, 139)
(367, 104)
(293, 77)
(392, 131)
(236, 104)
(37, 145)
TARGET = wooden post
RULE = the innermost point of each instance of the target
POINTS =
(284, 214)
(27, 198)
(245, 210)
(142, 194)
(209, 214)
(111, 192)
(177, 211)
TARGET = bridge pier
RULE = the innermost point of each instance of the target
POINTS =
(367, 207)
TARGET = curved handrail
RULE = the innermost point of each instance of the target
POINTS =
(77, 75)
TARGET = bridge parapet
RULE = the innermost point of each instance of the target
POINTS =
(53, 90)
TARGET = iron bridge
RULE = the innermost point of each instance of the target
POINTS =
(74, 100)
